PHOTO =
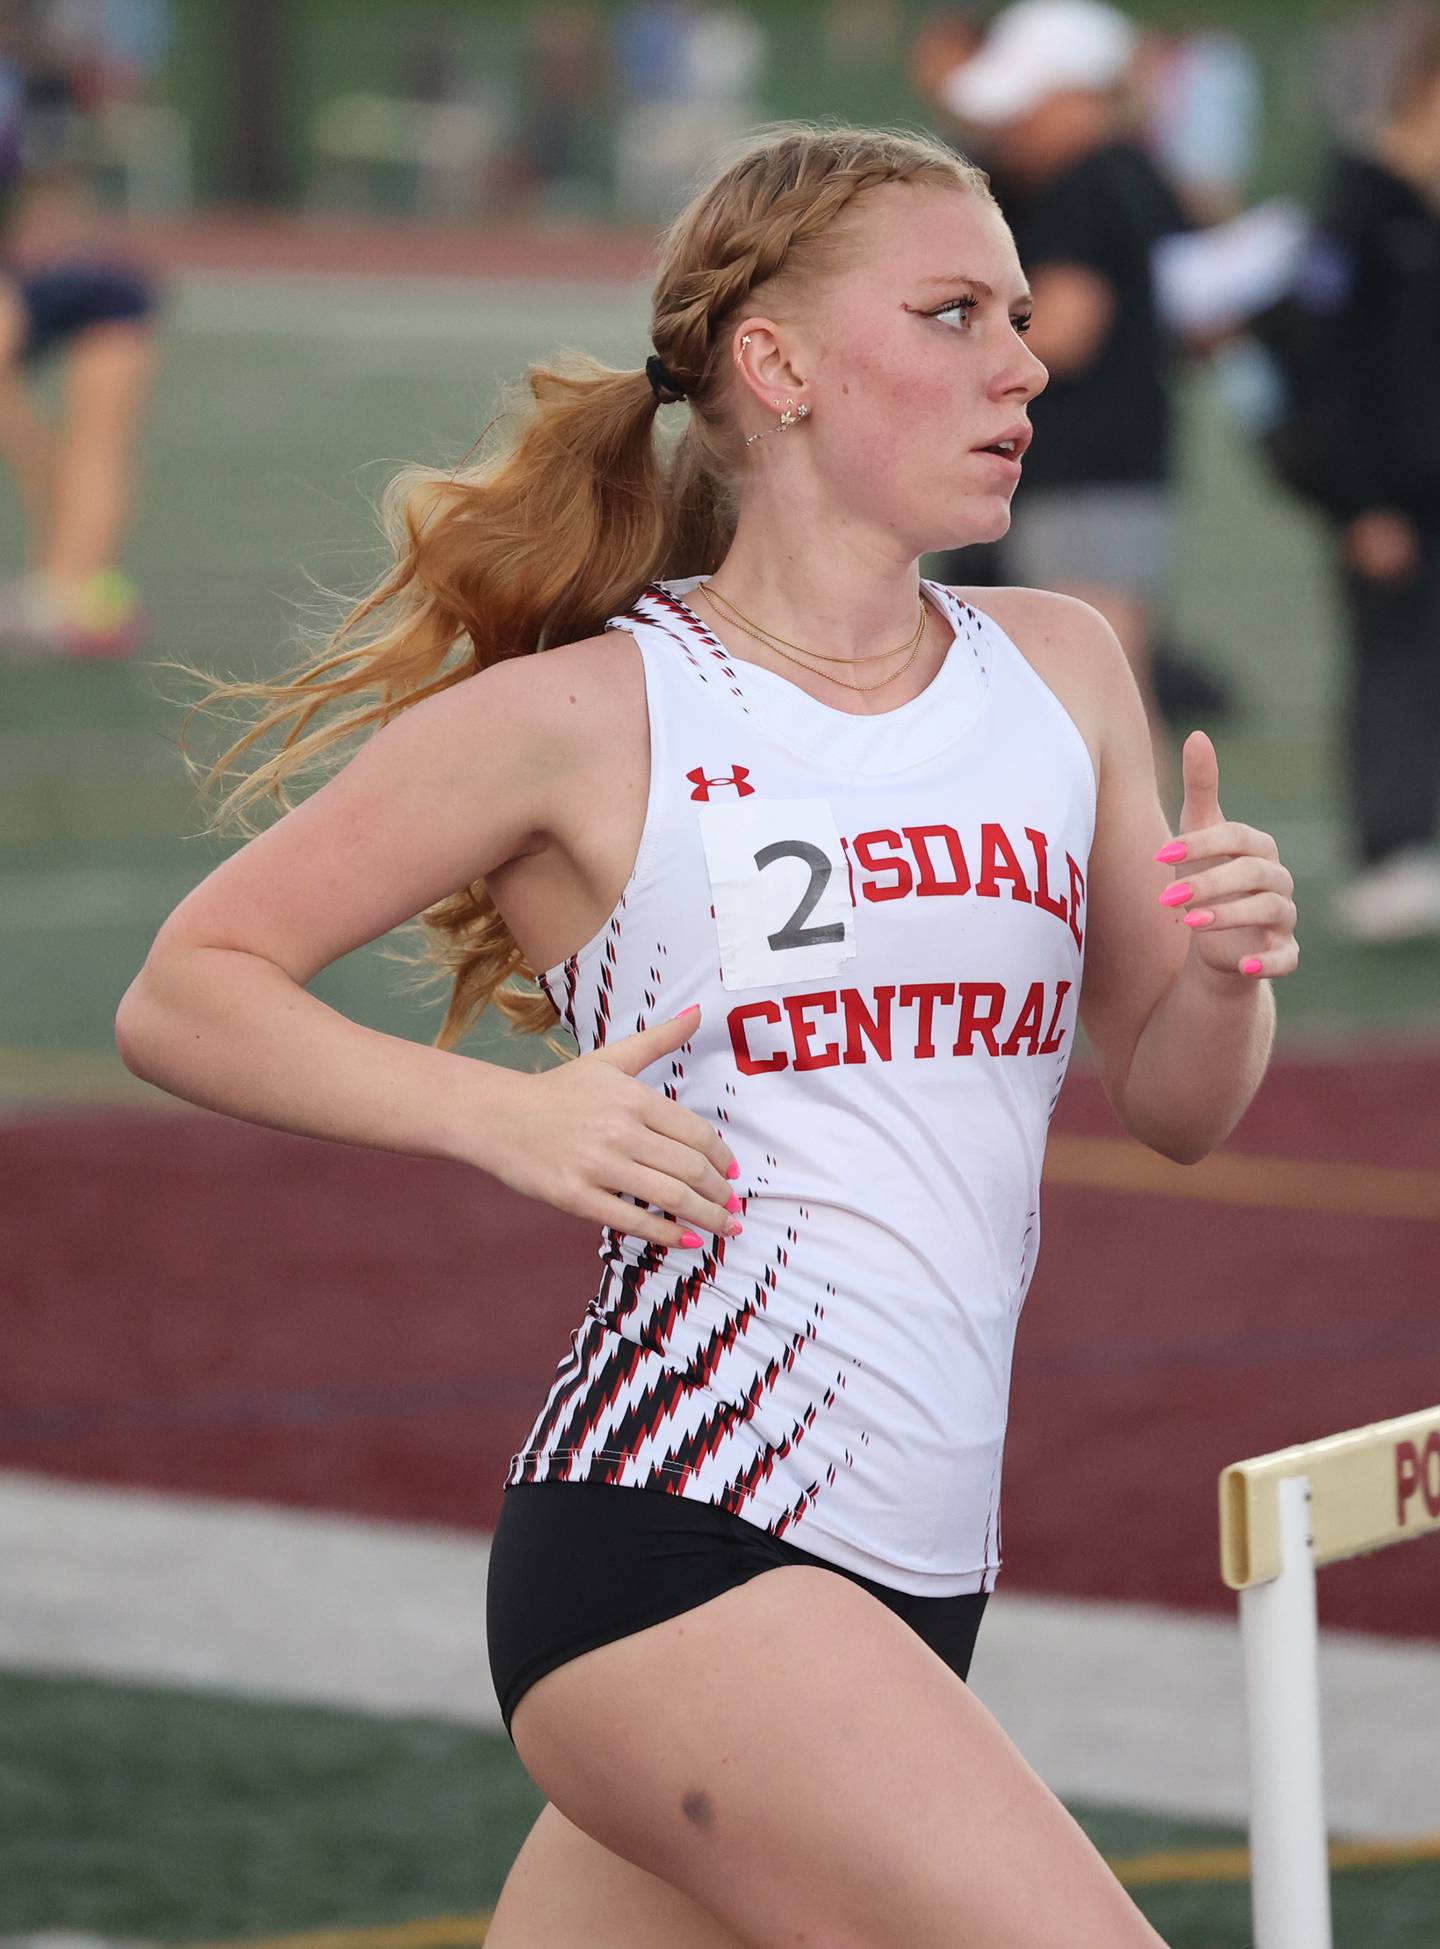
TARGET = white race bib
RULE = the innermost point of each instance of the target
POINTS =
(781, 890)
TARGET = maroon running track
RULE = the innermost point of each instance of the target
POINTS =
(200, 1305)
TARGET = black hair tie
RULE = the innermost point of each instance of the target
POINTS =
(663, 383)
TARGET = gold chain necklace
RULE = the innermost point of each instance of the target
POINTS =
(763, 636)
(879, 684)
(708, 588)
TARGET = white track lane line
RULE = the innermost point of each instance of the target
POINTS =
(1128, 1705)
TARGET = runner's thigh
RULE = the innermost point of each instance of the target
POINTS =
(565, 1891)
(792, 1756)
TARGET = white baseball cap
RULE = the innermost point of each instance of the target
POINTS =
(1037, 48)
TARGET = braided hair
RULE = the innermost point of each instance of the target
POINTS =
(769, 219)
(574, 504)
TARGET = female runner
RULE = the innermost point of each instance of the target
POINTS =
(871, 828)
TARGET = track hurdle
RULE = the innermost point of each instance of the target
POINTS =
(1281, 1517)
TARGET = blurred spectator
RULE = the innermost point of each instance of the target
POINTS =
(945, 41)
(1051, 91)
(75, 477)
(563, 83)
(1359, 437)
(1355, 56)
(1203, 103)
(115, 49)
(94, 112)
(1183, 686)
(690, 73)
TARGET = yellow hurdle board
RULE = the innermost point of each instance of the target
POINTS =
(1369, 1488)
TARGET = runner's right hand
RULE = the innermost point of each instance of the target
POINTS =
(579, 1135)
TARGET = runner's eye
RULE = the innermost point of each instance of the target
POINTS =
(1023, 322)
(963, 305)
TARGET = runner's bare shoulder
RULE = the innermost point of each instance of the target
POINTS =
(447, 792)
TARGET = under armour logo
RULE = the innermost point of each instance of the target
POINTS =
(702, 784)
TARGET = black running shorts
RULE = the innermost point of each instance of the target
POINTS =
(575, 1565)
(61, 300)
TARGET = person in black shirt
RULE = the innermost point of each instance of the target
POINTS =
(1361, 441)
(1046, 95)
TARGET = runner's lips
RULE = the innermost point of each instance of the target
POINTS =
(1018, 437)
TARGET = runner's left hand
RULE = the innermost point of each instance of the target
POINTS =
(1238, 896)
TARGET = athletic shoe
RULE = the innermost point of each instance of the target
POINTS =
(1396, 899)
(40, 623)
(104, 618)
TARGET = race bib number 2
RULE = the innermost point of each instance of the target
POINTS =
(781, 890)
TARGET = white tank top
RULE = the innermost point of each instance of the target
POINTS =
(883, 920)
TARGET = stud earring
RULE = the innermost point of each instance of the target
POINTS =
(789, 417)
(743, 343)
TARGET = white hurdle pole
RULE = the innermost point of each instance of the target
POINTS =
(1289, 1866)
(1282, 1517)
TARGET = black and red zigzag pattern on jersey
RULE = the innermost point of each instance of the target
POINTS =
(605, 977)
(703, 1441)
(624, 1355)
(568, 1376)
(631, 1277)
(599, 1333)
(606, 1362)
(685, 623)
(586, 1342)
(565, 1008)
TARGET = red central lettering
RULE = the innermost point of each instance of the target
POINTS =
(971, 994)
(983, 1009)
(801, 1030)
(1027, 1022)
(859, 1021)
(747, 1064)
(927, 993)
(1055, 1035)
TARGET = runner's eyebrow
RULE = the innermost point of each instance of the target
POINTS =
(979, 284)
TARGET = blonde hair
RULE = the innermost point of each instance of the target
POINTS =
(572, 511)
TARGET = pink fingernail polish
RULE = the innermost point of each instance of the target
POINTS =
(734, 1170)
(1177, 849)
(732, 1203)
(736, 1229)
(1202, 917)
(1177, 895)
(1252, 966)
(690, 1240)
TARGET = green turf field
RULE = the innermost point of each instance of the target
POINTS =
(173, 1816)
(282, 408)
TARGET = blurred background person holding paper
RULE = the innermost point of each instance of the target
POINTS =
(1051, 96)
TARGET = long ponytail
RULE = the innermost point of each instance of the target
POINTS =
(572, 504)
